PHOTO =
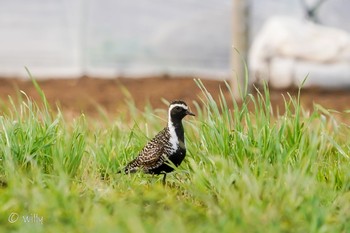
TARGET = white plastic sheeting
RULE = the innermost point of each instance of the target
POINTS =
(41, 35)
(57, 38)
(114, 37)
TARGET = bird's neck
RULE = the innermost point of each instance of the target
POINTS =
(177, 126)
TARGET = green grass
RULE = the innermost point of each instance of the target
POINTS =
(248, 169)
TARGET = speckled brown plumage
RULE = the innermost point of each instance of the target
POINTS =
(167, 147)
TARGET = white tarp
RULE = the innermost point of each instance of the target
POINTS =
(287, 50)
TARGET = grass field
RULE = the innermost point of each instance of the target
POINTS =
(247, 170)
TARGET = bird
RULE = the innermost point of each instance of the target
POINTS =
(166, 148)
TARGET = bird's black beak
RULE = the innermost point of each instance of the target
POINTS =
(190, 113)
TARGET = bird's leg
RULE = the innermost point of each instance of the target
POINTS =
(164, 177)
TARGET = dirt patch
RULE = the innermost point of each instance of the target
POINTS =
(75, 96)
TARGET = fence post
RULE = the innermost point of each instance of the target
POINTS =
(240, 43)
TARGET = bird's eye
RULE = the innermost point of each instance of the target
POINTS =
(177, 108)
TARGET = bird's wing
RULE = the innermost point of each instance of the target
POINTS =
(150, 153)
(150, 157)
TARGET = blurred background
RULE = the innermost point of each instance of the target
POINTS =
(108, 38)
(282, 41)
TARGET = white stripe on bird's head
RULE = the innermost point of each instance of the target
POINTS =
(173, 105)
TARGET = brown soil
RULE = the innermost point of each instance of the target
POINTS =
(87, 95)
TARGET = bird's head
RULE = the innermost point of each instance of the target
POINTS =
(178, 110)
